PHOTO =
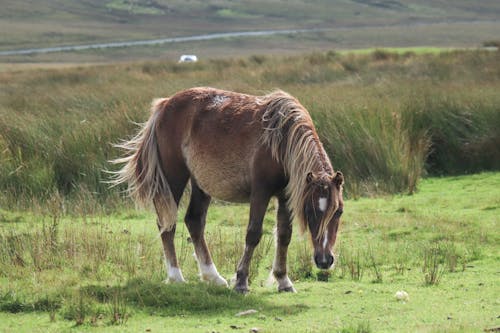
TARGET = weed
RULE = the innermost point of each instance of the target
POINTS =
(432, 267)
(300, 262)
(362, 327)
(11, 302)
(374, 263)
(402, 258)
(350, 262)
(118, 308)
(77, 308)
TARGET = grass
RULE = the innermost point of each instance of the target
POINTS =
(386, 119)
(133, 7)
(355, 24)
(104, 272)
(74, 255)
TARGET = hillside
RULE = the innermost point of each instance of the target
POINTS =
(354, 24)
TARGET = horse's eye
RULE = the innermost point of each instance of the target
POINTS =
(339, 212)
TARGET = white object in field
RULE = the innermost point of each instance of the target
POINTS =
(188, 58)
(402, 295)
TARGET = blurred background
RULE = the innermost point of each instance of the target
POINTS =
(324, 25)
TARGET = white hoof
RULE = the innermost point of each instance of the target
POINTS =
(209, 273)
(175, 275)
(284, 284)
(219, 281)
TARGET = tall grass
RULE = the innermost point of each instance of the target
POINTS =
(386, 119)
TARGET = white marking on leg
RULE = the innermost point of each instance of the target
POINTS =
(322, 204)
(325, 240)
(174, 274)
(209, 273)
(271, 279)
(285, 284)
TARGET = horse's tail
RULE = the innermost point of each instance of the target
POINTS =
(143, 170)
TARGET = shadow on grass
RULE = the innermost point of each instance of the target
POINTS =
(153, 297)
(174, 299)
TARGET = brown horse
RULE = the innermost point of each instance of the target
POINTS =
(237, 148)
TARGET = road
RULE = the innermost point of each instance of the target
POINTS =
(69, 48)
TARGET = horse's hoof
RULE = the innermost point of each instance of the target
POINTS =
(219, 281)
(290, 289)
(241, 290)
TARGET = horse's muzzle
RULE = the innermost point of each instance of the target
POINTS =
(323, 260)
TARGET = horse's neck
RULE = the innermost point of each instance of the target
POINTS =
(321, 162)
(315, 160)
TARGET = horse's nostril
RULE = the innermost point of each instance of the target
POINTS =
(317, 260)
(329, 260)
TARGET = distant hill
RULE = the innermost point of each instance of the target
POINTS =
(43, 23)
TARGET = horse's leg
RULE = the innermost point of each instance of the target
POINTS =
(283, 237)
(258, 205)
(195, 221)
(174, 273)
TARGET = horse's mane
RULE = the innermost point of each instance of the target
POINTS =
(292, 138)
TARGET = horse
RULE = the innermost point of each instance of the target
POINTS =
(236, 148)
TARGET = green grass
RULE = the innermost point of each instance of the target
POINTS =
(100, 272)
(133, 7)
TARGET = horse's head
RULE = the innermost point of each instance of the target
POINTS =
(323, 207)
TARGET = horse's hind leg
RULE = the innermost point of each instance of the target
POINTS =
(195, 221)
(283, 237)
(174, 273)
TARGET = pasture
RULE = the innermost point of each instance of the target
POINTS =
(386, 119)
(349, 24)
(105, 272)
(76, 256)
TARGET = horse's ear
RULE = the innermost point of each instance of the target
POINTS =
(309, 177)
(338, 180)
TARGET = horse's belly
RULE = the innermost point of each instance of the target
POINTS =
(222, 177)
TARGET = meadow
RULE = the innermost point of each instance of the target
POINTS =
(385, 118)
(411, 133)
(348, 24)
(53, 22)
(105, 272)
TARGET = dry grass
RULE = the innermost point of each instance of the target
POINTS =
(385, 118)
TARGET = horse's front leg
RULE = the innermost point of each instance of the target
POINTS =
(283, 237)
(258, 205)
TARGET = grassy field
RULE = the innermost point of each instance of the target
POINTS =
(76, 256)
(433, 36)
(385, 118)
(354, 24)
(104, 272)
